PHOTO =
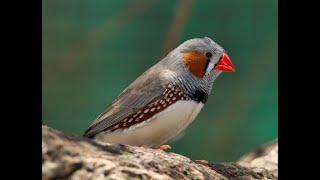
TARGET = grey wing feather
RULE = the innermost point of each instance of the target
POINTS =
(147, 88)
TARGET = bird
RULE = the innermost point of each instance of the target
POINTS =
(163, 101)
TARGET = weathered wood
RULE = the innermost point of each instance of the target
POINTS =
(70, 157)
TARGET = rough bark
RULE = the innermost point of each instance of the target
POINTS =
(265, 157)
(70, 157)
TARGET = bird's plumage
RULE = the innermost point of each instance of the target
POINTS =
(158, 129)
(187, 68)
(142, 91)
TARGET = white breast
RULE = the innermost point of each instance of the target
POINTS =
(157, 130)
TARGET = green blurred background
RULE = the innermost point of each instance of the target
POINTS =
(93, 49)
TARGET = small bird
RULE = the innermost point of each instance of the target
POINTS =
(165, 99)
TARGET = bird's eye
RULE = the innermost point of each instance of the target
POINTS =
(209, 54)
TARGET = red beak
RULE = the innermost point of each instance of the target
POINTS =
(225, 64)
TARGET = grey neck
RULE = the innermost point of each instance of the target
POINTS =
(198, 89)
(195, 88)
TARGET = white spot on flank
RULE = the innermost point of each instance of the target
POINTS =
(141, 116)
(153, 109)
(130, 120)
(147, 110)
(158, 107)
(171, 95)
(174, 98)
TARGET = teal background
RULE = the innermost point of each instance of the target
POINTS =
(93, 49)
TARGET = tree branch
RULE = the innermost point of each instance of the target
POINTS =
(70, 157)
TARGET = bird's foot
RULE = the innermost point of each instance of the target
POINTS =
(163, 147)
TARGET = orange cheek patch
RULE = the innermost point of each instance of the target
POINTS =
(196, 63)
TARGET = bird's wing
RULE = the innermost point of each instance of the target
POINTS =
(147, 88)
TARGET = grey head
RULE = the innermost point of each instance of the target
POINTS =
(194, 63)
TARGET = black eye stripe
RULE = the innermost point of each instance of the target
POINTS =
(206, 66)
